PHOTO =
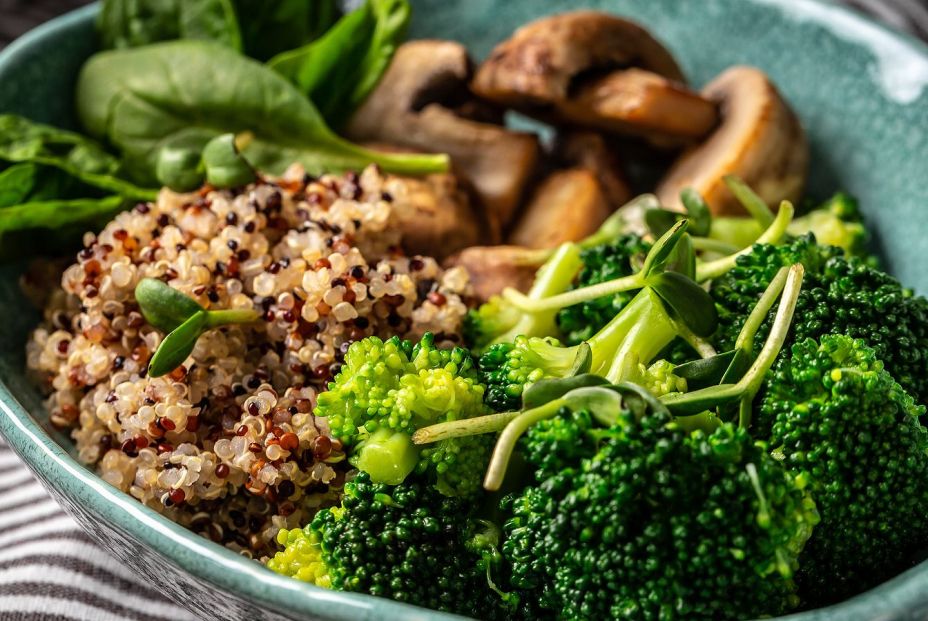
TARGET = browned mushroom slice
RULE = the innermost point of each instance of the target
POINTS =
(539, 63)
(493, 268)
(434, 214)
(598, 71)
(408, 109)
(567, 206)
(759, 139)
(589, 150)
(640, 103)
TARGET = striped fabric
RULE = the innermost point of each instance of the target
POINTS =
(49, 569)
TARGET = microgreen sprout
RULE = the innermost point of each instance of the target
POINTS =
(183, 319)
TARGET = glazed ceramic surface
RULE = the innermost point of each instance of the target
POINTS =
(861, 91)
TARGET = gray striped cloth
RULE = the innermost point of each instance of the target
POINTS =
(49, 569)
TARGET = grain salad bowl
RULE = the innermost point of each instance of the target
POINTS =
(861, 91)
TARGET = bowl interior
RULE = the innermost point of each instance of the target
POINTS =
(859, 90)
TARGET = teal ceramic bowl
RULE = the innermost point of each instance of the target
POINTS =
(859, 89)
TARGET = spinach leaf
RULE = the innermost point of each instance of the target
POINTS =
(269, 28)
(140, 100)
(55, 213)
(131, 23)
(17, 183)
(338, 71)
(23, 141)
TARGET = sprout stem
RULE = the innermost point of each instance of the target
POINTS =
(745, 341)
(216, 318)
(773, 235)
(506, 443)
(754, 204)
(490, 423)
(747, 387)
(707, 244)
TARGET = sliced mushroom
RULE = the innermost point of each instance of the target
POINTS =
(640, 103)
(493, 268)
(759, 139)
(408, 108)
(589, 150)
(567, 206)
(434, 214)
(595, 70)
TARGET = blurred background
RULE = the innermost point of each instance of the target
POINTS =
(18, 16)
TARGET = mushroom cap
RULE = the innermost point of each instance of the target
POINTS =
(411, 107)
(758, 139)
(540, 62)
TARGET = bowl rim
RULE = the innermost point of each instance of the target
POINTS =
(228, 571)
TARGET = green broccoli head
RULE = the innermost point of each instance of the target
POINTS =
(507, 368)
(834, 416)
(408, 543)
(657, 523)
(601, 263)
(840, 296)
(836, 222)
(388, 389)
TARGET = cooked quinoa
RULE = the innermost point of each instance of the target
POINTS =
(227, 444)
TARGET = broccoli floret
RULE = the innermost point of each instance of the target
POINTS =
(836, 418)
(556, 443)
(658, 523)
(388, 389)
(836, 222)
(620, 351)
(408, 543)
(840, 296)
(601, 263)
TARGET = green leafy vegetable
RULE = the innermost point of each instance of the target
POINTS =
(225, 166)
(269, 28)
(54, 213)
(177, 345)
(17, 182)
(180, 167)
(22, 140)
(164, 306)
(188, 92)
(132, 23)
(183, 318)
(338, 71)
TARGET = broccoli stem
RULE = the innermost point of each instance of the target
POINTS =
(744, 391)
(710, 270)
(387, 456)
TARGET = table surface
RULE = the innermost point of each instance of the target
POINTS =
(50, 570)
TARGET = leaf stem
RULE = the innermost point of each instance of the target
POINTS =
(745, 340)
(216, 318)
(506, 443)
(491, 423)
(773, 235)
(754, 204)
